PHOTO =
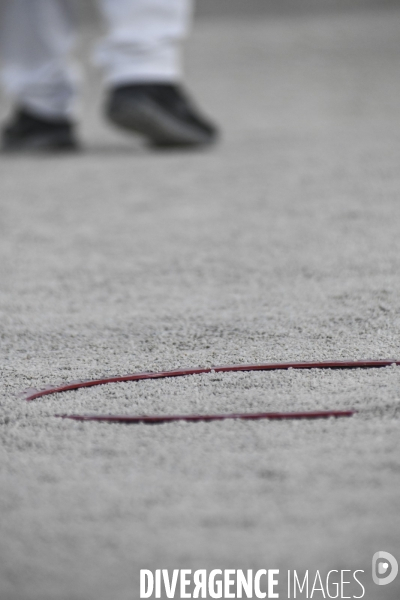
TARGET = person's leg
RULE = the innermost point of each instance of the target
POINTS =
(145, 40)
(35, 39)
(142, 58)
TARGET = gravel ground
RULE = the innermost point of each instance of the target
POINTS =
(282, 243)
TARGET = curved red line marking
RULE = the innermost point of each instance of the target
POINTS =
(32, 394)
(155, 419)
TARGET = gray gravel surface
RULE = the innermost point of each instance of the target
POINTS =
(281, 243)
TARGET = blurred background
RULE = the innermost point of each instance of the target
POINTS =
(281, 243)
(210, 8)
(226, 8)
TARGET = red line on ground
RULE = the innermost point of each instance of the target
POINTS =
(33, 394)
(155, 419)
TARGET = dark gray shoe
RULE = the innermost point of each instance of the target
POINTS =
(29, 132)
(160, 112)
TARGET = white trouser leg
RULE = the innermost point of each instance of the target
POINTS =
(36, 37)
(144, 40)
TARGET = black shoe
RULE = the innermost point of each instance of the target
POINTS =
(29, 132)
(161, 112)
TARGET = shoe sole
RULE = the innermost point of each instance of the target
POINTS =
(41, 144)
(161, 128)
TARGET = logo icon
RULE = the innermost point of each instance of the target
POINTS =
(384, 568)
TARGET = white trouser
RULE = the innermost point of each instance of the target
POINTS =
(36, 36)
